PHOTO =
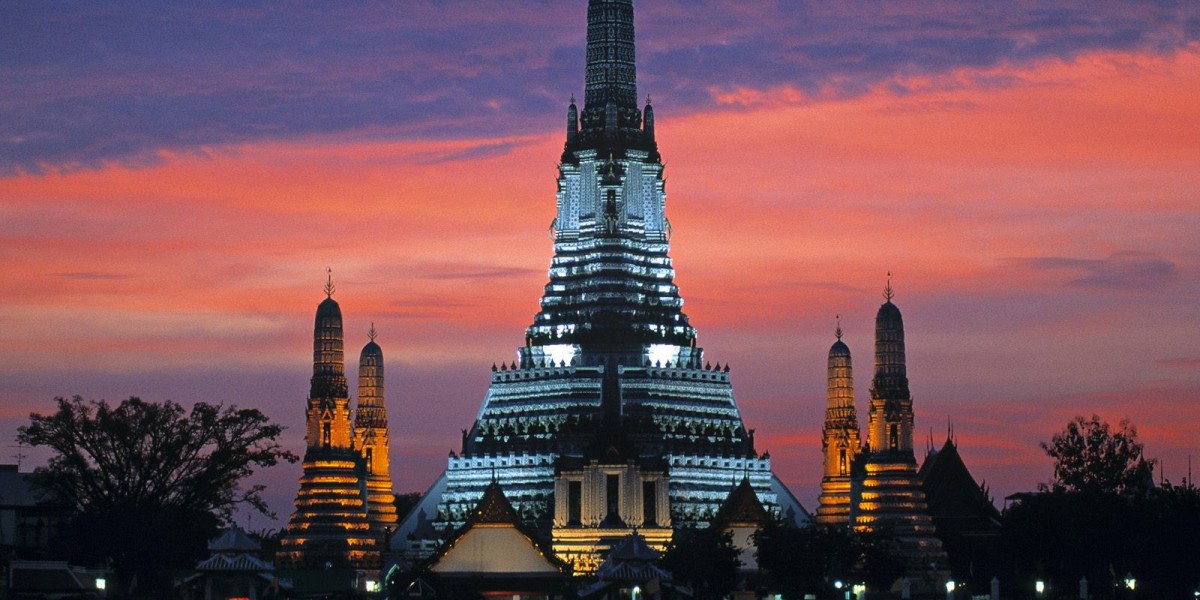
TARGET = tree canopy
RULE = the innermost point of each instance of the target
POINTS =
(1103, 518)
(144, 454)
(809, 559)
(1092, 456)
(146, 484)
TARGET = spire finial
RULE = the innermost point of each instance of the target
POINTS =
(572, 98)
(371, 333)
(888, 293)
(329, 282)
(838, 331)
(648, 102)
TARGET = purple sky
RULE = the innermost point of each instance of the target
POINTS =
(175, 177)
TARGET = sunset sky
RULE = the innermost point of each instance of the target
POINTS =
(176, 177)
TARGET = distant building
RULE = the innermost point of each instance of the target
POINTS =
(345, 506)
(493, 554)
(27, 523)
(232, 570)
(630, 571)
(876, 487)
(966, 520)
(939, 514)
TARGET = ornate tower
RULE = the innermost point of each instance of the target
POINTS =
(891, 494)
(610, 360)
(330, 524)
(371, 439)
(840, 437)
(890, 416)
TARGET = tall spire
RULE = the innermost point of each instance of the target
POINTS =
(891, 376)
(840, 436)
(329, 379)
(371, 437)
(611, 121)
(611, 75)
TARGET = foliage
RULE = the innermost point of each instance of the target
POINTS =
(1091, 456)
(405, 503)
(147, 484)
(704, 559)
(1104, 519)
(807, 560)
(1062, 536)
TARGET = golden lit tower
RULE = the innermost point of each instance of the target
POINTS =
(329, 527)
(371, 439)
(840, 437)
(891, 494)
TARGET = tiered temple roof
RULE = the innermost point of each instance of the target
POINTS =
(611, 348)
(330, 525)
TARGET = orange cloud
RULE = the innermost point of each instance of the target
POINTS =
(788, 209)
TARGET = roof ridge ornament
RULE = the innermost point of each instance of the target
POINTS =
(329, 287)
(888, 292)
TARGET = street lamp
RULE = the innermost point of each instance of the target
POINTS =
(1039, 586)
(950, 590)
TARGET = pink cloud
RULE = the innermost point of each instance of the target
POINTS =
(787, 210)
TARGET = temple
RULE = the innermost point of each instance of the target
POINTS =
(610, 406)
(840, 436)
(876, 488)
(345, 505)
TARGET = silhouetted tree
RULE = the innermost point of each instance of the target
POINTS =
(405, 503)
(1104, 519)
(809, 559)
(704, 559)
(147, 484)
(1091, 456)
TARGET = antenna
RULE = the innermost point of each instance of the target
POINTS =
(371, 333)
(888, 292)
(20, 455)
(329, 282)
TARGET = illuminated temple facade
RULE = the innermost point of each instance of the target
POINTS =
(876, 487)
(610, 397)
(345, 506)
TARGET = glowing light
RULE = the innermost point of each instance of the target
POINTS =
(101, 583)
(372, 585)
(1130, 582)
(1040, 587)
(950, 586)
(662, 354)
(560, 353)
